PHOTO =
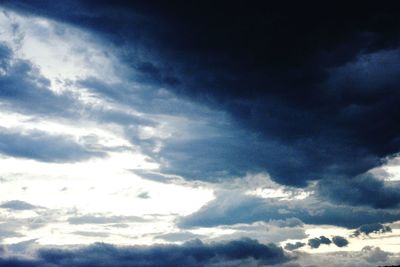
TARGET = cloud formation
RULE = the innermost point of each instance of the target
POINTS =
(17, 205)
(340, 241)
(235, 207)
(98, 219)
(209, 97)
(294, 246)
(367, 256)
(22, 84)
(43, 146)
(316, 242)
(368, 229)
(193, 253)
(358, 191)
(309, 98)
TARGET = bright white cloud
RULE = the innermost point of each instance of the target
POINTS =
(105, 186)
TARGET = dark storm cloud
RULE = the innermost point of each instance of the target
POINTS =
(320, 78)
(17, 205)
(316, 242)
(361, 190)
(221, 156)
(194, 253)
(43, 147)
(340, 241)
(367, 229)
(233, 208)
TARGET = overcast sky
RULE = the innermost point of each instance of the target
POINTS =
(212, 133)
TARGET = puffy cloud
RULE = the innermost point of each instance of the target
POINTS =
(316, 242)
(367, 229)
(340, 241)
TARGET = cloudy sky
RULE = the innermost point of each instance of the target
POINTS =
(212, 133)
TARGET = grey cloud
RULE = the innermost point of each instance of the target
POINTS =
(24, 89)
(18, 205)
(154, 176)
(43, 146)
(366, 257)
(22, 248)
(215, 149)
(294, 246)
(178, 236)
(302, 99)
(4, 233)
(361, 190)
(193, 253)
(143, 195)
(14, 225)
(340, 241)
(118, 117)
(144, 98)
(262, 231)
(103, 219)
(372, 228)
(229, 153)
(234, 207)
(316, 242)
(91, 233)
(289, 222)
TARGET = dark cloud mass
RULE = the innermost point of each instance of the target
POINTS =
(243, 252)
(320, 78)
(367, 229)
(306, 92)
(361, 190)
(316, 242)
(340, 241)
(233, 208)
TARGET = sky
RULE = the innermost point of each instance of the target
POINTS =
(186, 133)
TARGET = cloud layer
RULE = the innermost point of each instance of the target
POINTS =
(194, 253)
